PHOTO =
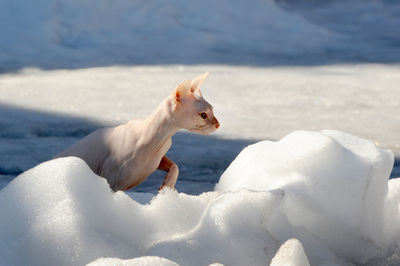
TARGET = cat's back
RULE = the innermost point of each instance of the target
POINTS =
(92, 149)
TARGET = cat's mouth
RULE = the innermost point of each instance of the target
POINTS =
(204, 129)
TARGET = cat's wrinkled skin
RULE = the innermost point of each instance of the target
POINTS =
(127, 154)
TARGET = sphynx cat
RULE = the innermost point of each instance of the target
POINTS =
(127, 154)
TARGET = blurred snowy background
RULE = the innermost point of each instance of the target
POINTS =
(69, 67)
(73, 34)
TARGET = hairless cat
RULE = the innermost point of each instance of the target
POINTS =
(127, 154)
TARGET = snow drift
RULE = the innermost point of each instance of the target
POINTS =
(310, 198)
(82, 33)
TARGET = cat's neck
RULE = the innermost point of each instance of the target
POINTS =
(159, 126)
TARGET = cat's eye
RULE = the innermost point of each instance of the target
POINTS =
(203, 115)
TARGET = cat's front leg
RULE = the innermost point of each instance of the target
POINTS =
(172, 172)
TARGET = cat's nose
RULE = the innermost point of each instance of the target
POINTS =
(216, 123)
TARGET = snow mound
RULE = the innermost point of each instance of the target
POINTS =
(310, 198)
(330, 179)
(141, 261)
(291, 253)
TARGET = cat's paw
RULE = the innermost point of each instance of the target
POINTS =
(166, 188)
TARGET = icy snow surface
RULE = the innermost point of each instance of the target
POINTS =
(313, 197)
(43, 112)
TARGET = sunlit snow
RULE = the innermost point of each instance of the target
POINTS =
(326, 193)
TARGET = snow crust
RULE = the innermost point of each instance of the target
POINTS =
(318, 198)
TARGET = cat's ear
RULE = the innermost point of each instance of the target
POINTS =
(196, 83)
(183, 90)
(189, 87)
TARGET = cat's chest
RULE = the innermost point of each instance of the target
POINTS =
(148, 157)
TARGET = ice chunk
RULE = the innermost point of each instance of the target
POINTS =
(331, 179)
(392, 212)
(291, 253)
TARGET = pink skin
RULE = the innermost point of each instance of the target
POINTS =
(127, 154)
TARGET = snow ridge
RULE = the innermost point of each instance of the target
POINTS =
(311, 198)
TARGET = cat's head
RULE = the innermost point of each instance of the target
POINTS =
(191, 110)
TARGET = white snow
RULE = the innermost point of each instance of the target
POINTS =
(331, 180)
(318, 198)
(291, 253)
(312, 197)
(76, 34)
(251, 102)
